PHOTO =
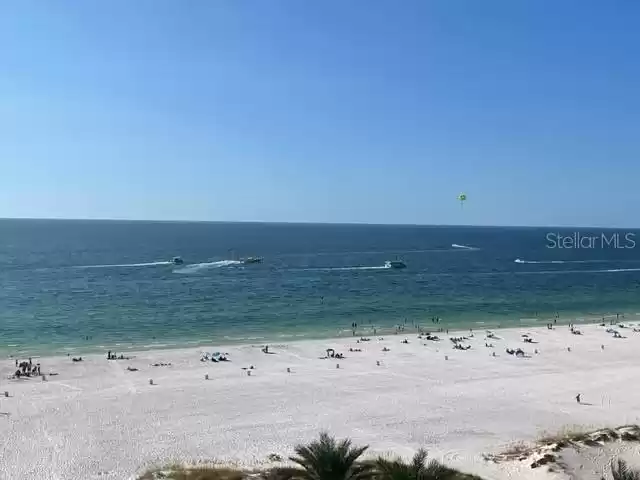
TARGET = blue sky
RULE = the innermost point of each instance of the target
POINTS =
(331, 111)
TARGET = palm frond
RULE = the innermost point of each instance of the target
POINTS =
(437, 471)
(326, 459)
(621, 471)
(417, 469)
(418, 460)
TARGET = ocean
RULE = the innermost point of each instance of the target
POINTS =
(74, 286)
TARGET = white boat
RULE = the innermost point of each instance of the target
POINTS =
(245, 260)
(177, 261)
(395, 264)
(250, 260)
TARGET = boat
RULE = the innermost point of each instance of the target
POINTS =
(395, 264)
(177, 261)
(244, 261)
(250, 260)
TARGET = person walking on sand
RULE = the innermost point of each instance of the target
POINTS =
(578, 398)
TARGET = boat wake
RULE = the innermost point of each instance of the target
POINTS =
(519, 260)
(463, 247)
(126, 265)
(198, 267)
(345, 269)
(562, 272)
(380, 267)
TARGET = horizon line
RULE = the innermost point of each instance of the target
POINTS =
(362, 224)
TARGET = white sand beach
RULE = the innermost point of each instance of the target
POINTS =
(96, 419)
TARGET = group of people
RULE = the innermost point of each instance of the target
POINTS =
(27, 369)
(213, 357)
(428, 336)
(518, 352)
(331, 353)
(114, 356)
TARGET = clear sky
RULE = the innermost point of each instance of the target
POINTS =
(322, 111)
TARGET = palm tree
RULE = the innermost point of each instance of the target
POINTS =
(326, 459)
(417, 469)
(621, 471)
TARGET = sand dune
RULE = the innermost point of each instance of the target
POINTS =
(96, 419)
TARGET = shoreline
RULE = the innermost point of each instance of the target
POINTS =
(43, 350)
(98, 418)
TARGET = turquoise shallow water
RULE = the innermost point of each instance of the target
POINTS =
(82, 285)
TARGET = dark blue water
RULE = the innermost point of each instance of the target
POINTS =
(64, 281)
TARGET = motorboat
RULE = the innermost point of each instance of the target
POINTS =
(177, 260)
(395, 264)
(246, 260)
(250, 260)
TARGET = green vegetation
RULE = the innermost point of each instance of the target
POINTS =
(329, 459)
(566, 435)
(621, 471)
(417, 469)
(324, 459)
